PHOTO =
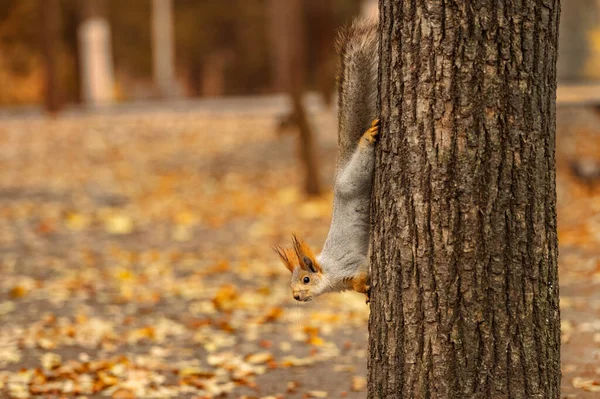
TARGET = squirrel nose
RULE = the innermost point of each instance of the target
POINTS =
(297, 297)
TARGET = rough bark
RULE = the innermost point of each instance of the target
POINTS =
(464, 244)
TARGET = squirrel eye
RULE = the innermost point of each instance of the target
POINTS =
(306, 280)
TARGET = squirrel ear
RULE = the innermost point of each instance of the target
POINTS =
(306, 259)
(286, 256)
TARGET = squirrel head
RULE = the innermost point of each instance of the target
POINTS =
(307, 274)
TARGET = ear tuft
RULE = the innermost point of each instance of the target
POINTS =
(305, 255)
(287, 256)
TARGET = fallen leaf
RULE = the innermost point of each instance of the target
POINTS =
(359, 384)
(259, 358)
(316, 394)
(118, 224)
(50, 360)
(586, 384)
(18, 291)
(123, 394)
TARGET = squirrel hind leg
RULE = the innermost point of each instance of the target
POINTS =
(373, 132)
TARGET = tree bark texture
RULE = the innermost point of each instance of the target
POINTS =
(464, 244)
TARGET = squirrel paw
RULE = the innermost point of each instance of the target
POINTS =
(360, 283)
(373, 132)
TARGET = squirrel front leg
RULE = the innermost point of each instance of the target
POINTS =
(362, 283)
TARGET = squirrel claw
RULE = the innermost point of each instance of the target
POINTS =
(373, 132)
(368, 294)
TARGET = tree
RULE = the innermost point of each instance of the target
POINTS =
(578, 43)
(97, 77)
(50, 39)
(289, 52)
(163, 53)
(322, 34)
(464, 242)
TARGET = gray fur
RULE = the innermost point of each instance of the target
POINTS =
(358, 45)
(345, 251)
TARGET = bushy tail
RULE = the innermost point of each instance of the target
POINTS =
(358, 47)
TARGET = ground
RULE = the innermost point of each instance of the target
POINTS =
(136, 261)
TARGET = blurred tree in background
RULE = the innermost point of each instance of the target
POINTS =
(49, 40)
(579, 40)
(21, 71)
(221, 47)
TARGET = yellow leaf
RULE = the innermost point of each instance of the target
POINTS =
(195, 372)
(50, 360)
(260, 357)
(317, 394)
(118, 224)
(107, 379)
(124, 275)
(123, 394)
(225, 298)
(141, 333)
(359, 383)
(185, 218)
(76, 221)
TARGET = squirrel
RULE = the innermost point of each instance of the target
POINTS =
(342, 264)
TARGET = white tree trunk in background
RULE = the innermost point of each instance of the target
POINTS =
(97, 80)
(370, 9)
(163, 47)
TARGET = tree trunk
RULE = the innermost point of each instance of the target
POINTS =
(163, 49)
(50, 38)
(97, 77)
(287, 39)
(284, 41)
(464, 244)
(312, 185)
(321, 14)
(214, 72)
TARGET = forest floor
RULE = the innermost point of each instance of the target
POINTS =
(135, 260)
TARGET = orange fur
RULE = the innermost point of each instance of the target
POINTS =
(370, 136)
(288, 257)
(303, 251)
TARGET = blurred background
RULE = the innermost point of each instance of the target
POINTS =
(152, 152)
(107, 51)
